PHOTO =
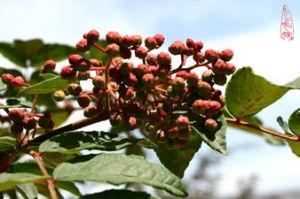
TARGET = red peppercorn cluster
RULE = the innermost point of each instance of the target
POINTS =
(27, 121)
(13, 82)
(145, 95)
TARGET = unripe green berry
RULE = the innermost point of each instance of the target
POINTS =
(207, 76)
(220, 79)
(99, 81)
(59, 95)
(83, 75)
(74, 89)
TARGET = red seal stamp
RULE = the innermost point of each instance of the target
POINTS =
(287, 24)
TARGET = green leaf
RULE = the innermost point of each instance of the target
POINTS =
(7, 142)
(29, 190)
(10, 180)
(2, 85)
(119, 169)
(32, 167)
(216, 140)
(248, 93)
(14, 102)
(74, 142)
(178, 159)
(47, 86)
(119, 194)
(56, 52)
(19, 52)
(294, 122)
(295, 146)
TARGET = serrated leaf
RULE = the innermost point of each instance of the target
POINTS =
(294, 122)
(74, 142)
(29, 190)
(119, 194)
(7, 142)
(119, 169)
(248, 93)
(216, 140)
(178, 159)
(10, 180)
(47, 86)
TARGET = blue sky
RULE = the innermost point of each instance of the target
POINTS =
(250, 28)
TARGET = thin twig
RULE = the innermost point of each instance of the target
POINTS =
(236, 122)
(50, 183)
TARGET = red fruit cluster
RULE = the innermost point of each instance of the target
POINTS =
(145, 95)
(13, 82)
(27, 121)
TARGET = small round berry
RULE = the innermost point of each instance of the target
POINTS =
(192, 79)
(83, 65)
(126, 41)
(164, 59)
(16, 129)
(182, 122)
(190, 43)
(211, 125)
(151, 59)
(83, 45)
(130, 93)
(16, 115)
(199, 106)
(46, 122)
(17, 81)
(226, 55)
(172, 133)
(6, 78)
(207, 76)
(141, 52)
(98, 81)
(113, 37)
(126, 68)
(150, 43)
(178, 83)
(29, 123)
(177, 47)
(203, 88)
(83, 75)
(132, 121)
(183, 74)
(131, 80)
(112, 49)
(59, 95)
(74, 89)
(68, 72)
(219, 67)
(74, 58)
(211, 55)
(90, 111)
(92, 36)
(187, 51)
(160, 39)
(49, 66)
(96, 62)
(137, 40)
(200, 56)
(83, 100)
(125, 53)
(199, 45)
(148, 79)
(220, 79)
(230, 69)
